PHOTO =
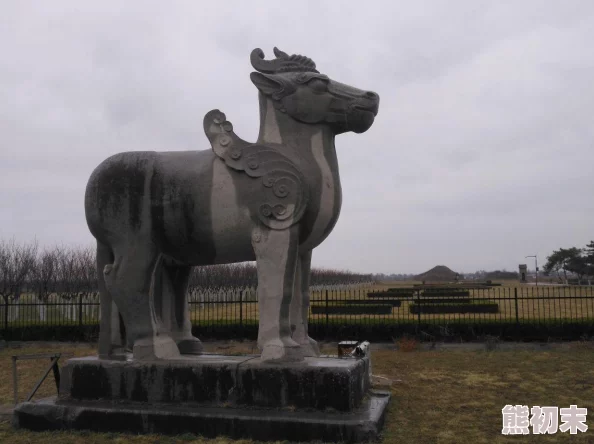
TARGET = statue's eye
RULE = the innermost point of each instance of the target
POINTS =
(318, 85)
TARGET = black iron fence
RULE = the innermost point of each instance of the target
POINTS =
(527, 312)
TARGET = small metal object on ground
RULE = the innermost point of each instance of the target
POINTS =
(54, 357)
(346, 347)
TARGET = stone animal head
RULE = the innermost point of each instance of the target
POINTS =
(298, 89)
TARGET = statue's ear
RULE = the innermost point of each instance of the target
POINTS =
(265, 83)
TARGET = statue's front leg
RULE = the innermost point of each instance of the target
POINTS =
(276, 258)
(300, 307)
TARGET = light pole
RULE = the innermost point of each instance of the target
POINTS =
(536, 267)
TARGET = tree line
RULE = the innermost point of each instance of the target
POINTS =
(71, 272)
(570, 262)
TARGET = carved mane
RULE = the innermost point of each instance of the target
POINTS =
(282, 63)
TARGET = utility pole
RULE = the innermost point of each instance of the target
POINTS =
(536, 267)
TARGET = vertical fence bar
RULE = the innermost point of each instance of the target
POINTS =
(571, 300)
(15, 380)
(581, 303)
(327, 318)
(418, 308)
(241, 307)
(80, 310)
(516, 301)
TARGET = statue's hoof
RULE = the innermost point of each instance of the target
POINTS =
(310, 348)
(277, 351)
(190, 346)
(158, 347)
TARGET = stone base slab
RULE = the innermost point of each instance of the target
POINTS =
(315, 383)
(361, 424)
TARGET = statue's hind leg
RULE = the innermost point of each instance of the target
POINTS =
(128, 281)
(276, 258)
(175, 310)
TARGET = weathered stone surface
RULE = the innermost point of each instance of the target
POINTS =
(362, 424)
(315, 383)
(325, 399)
(157, 214)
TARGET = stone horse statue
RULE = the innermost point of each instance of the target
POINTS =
(155, 215)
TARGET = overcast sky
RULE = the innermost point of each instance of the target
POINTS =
(482, 152)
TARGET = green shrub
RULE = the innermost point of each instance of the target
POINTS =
(454, 308)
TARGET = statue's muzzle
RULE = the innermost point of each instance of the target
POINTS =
(369, 102)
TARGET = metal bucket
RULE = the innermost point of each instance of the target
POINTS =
(345, 348)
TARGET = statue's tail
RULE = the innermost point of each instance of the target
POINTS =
(110, 336)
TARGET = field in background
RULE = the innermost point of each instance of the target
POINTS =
(520, 312)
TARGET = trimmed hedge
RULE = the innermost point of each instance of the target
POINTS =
(338, 328)
(447, 292)
(392, 302)
(351, 309)
(454, 308)
(452, 287)
(445, 301)
(388, 294)
(68, 333)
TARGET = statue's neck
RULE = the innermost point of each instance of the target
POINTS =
(279, 128)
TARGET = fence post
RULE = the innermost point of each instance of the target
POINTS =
(516, 300)
(240, 307)
(15, 380)
(327, 319)
(80, 310)
(419, 307)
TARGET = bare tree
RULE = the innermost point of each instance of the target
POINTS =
(69, 282)
(44, 277)
(87, 274)
(223, 282)
(16, 263)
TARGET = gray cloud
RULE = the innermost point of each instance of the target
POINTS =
(481, 154)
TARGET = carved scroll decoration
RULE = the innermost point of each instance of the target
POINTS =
(284, 194)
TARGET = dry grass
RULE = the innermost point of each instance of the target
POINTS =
(406, 344)
(438, 396)
(451, 397)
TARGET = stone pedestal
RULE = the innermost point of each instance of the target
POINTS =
(325, 399)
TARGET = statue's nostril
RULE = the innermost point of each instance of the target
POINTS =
(371, 95)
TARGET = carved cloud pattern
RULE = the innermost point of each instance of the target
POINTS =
(284, 194)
